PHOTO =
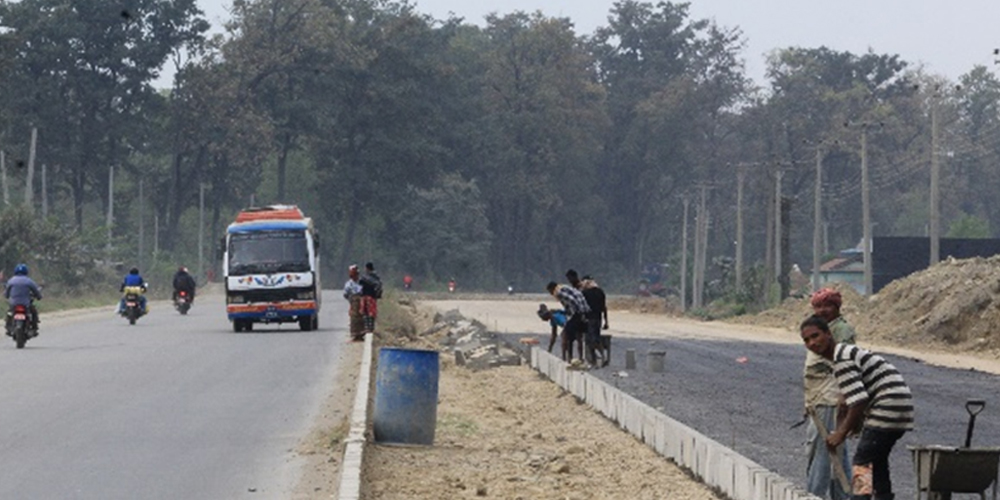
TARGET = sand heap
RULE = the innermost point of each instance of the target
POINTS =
(954, 304)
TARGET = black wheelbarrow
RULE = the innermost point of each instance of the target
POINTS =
(943, 470)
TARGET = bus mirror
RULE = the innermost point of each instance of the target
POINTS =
(222, 247)
(316, 240)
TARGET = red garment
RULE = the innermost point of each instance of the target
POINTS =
(369, 306)
(827, 296)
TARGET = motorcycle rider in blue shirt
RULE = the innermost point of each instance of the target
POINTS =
(133, 279)
(22, 291)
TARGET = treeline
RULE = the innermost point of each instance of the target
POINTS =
(494, 154)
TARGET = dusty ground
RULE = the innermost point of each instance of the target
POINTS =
(509, 433)
(504, 433)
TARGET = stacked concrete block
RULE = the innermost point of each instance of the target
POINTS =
(476, 348)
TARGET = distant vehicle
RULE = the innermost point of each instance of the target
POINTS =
(652, 280)
(182, 302)
(19, 325)
(271, 268)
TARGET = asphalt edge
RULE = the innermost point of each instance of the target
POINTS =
(351, 466)
(719, 467)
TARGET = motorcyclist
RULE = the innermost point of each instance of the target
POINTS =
(184, 282)
(22, 291)
(133, 279)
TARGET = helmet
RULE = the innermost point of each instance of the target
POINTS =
(134, 270)
(21, 269)
(182, 269)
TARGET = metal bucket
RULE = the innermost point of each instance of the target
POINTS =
(406, 395)
(654, 361)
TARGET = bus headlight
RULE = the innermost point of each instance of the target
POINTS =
(236, 299)
(306, 295)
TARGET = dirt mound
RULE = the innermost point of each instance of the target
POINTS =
(793, 310)
(954, 305)
(653, 305)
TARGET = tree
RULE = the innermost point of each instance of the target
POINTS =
(445, 231)
(82, 74)
(672, 82)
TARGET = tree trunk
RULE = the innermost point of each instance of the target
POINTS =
(173, 208)
(286, 147)
(78, 196)
(353, 215)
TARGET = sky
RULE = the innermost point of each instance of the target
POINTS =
(947, 38)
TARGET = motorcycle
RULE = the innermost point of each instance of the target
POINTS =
(133, 304)
(19, 325)
(182, 302)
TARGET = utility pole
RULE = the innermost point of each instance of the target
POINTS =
(701, 241)
(817, 218)
(45, 192)
(777, 225)
(866, 212)
(156, 235)
(29, 189)
(695, 258)
(111, 205)
(935, 179)
(201, 230)
(740, 178)
(684, 255)
(142, 228)
(3, 173)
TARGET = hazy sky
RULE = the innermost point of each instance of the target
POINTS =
(949, 38)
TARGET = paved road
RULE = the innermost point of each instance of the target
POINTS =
(173, 407)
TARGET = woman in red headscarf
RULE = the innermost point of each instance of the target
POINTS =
(352, 292)
(823, 401)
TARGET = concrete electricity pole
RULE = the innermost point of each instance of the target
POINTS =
(684, 255)
(29, 190)
(111, 205)
(3, 173)
(701, 253)
(866, 212)
(697, 254)
(777, 225)
(817, 218)
(201, 230)
(935, 188)
(740, 178)
(142, 227)
(45, 192)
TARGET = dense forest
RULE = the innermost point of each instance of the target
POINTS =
(506, 152)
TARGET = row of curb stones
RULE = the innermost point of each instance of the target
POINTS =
(475, 347)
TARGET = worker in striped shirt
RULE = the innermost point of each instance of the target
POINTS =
(576, 308)
(874, 393)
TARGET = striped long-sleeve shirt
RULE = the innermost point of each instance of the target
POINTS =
(867, 378)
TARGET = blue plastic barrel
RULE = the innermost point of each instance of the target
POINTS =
(406, 394)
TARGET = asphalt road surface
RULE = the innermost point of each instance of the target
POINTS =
(749, 404)
(173, 407)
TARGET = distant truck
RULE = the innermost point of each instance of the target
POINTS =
(271, 268)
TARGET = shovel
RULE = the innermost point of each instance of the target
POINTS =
(973, 406)
(838, 467)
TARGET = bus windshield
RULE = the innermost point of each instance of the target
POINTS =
(268, 252)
